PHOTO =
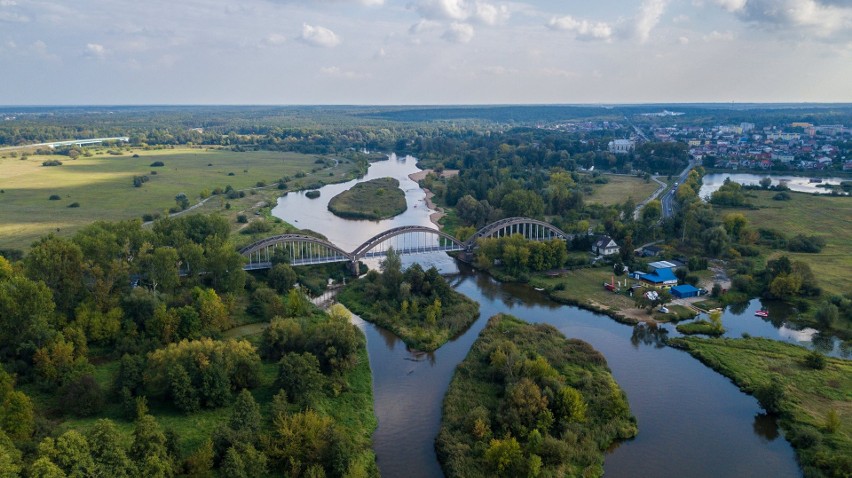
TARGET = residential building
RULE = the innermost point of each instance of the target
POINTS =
(605, 246)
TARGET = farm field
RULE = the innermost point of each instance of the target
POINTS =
(620, 188)
(826, 216)
(103, 185)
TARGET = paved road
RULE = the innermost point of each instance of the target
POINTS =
(668, 200)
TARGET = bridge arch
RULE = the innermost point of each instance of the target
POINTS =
(303, 250)
(530, 228)
(370, 244)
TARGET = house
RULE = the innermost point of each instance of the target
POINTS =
(651, 251)
(605, 246)
(660, 278)
(684, 291)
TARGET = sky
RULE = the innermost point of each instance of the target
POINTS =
(423, 51)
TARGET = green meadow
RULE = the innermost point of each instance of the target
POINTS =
(102, 185)
(827, 216)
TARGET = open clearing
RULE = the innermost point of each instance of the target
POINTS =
(620, 188)
(826, 216)
(103, 185)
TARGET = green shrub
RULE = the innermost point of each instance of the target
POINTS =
(54, 197)
(815, 360)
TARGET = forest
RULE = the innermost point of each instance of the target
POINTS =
(117, 362)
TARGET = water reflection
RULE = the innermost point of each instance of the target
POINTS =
(766, 427)
(648, 334)
(738, 308)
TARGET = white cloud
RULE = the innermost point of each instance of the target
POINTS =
(443, 9)
(648, 17)
(95, 50)
(337, 72)
(274, 39)
(683, 40)
(478, 11)
(582, 29)
(459, 33)
(732, 5)
(318, 36)
(719, 36)
(423, 26)
(489, 14)
(826, 19)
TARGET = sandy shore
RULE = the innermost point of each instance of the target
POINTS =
(439, 212)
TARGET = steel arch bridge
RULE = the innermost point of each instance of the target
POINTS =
(300, 249)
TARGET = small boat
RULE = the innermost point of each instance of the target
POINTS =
(762, 313)
(539, 288)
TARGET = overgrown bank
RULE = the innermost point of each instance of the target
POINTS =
(529, 402)
(809, 392)
(418, 306)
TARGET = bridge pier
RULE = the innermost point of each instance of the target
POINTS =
(355, 268)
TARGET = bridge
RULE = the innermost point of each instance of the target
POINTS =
(301, 250)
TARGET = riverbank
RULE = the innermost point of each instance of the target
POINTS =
(439, 211)
(525, 401)
(810, 394)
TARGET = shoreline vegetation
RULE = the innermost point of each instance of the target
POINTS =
(416, 305)
(372, 200)
(806, 390)
(526, 401)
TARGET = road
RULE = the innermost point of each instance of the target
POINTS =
(668, 200)
(650, 198)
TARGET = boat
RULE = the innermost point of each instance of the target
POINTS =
(762, 313)
(539, 288)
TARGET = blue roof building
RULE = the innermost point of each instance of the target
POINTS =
(660, 278)
(684, 291)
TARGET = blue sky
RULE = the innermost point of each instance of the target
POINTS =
(424, 51)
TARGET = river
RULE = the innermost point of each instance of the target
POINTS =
(692, 421)
(711, 182)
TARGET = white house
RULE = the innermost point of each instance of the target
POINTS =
(605, 246)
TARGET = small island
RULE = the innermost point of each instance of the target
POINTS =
(418, 306)
(373, 200)
(526, 401)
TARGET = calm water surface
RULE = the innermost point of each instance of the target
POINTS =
(692, 421)
(712, 182)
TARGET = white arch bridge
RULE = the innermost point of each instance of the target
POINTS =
(300, 250)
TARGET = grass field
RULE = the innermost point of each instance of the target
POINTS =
(826, 216)
(809, 395)
(584, 287)
(620, 188)
(103, 185)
